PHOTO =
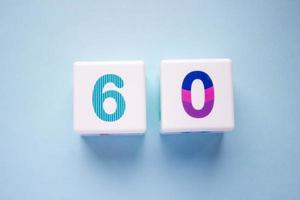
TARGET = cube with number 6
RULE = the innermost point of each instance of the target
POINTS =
(109, 97)
(196, 96)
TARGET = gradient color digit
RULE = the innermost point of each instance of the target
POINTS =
(186, 94)
(99, 97)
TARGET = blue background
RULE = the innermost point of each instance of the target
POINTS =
(42, 158)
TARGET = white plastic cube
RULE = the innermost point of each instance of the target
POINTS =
(196, 96)
(109, 97)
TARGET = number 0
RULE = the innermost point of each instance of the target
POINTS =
(186, 94)
(99, 97)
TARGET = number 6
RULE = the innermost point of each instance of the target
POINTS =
(99, 97)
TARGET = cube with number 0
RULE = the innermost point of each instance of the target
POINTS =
(109, 97)
(196, 96)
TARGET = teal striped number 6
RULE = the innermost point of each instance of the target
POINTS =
(99, 97)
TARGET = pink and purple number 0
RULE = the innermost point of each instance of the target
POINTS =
(186, 94)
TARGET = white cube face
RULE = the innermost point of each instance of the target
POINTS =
(196, 96)
(109, 97)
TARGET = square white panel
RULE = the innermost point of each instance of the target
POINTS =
(109, 97)
(196, 96)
